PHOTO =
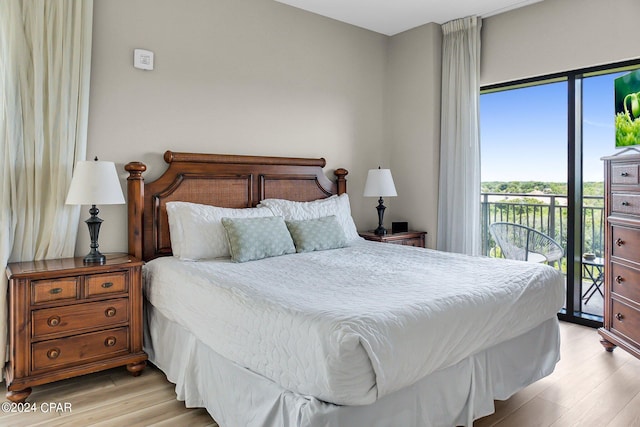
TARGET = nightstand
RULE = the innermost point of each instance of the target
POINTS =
(408, 238)
(68, 319)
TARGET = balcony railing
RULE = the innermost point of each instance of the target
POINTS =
(546, 213)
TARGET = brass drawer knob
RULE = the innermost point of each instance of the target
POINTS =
(107, 285)
(53, 321)
(110, 341)
(110, 312)
(619, 242)
(625, 203)
(619, 279)
(53, 353)
(619, 316)
(624, 174)
(55, 291)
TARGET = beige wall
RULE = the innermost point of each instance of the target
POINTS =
(412, 108)
(239, 77)
(259, 77)
(558, 35)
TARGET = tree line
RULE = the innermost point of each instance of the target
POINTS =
(528, 187)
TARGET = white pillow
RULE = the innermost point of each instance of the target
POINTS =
(197, 232)
(298, 211)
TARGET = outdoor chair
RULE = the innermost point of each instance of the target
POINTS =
(523, 243)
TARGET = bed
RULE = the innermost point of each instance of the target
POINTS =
(358, 333)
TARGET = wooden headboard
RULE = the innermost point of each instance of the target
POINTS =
(221, 180)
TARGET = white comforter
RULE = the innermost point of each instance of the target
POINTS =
(351, 325)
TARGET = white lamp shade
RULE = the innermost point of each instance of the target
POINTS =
(379, 184)
(95, 182)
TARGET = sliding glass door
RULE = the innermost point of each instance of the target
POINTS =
(524, 161)
(541, 143)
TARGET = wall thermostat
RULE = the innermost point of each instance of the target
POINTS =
(143, 59)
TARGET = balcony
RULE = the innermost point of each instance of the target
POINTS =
(547, 213)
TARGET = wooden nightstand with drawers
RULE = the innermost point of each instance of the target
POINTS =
(408, 238)
(67, 319)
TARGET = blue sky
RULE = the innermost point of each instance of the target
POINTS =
(524, 131)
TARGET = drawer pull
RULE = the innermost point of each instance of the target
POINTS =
(53, 321)
(107, 285)
(110, 341)
(625, 203)
(619, 316)
(110, 312)
(619, 242)
(624, 174)
(55, 291)
(53, 353)
(619, 279)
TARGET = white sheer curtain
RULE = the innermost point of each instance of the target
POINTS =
(459, 186)
(45, 58)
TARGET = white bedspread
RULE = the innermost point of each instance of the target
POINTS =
(351, 325)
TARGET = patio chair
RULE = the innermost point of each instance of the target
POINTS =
(523, 243)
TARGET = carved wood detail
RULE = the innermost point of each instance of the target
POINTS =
(231, 181)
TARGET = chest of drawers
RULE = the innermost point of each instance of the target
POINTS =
(622, 254)
(67, 319)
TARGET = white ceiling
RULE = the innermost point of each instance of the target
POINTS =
(395, 16)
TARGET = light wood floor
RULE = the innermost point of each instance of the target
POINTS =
(589, 387)
(110, 398)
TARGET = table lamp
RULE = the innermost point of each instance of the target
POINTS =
(95, 183)
(380, 184)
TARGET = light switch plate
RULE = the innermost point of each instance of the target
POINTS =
(143, 59)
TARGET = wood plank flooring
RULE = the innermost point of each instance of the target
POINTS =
(589, 387)
(110, 398)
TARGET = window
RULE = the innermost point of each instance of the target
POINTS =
(541, 144)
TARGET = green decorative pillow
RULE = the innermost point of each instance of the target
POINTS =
(257, 238)
(317, 234)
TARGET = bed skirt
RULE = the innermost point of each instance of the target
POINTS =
(454, 396)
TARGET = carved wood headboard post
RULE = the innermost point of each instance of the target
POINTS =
(135, 206)
(341, 182)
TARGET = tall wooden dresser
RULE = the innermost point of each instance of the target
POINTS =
(622, 253)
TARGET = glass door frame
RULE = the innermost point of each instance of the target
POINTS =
(573, 254)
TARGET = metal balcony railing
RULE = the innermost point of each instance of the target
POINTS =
(546, 213)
